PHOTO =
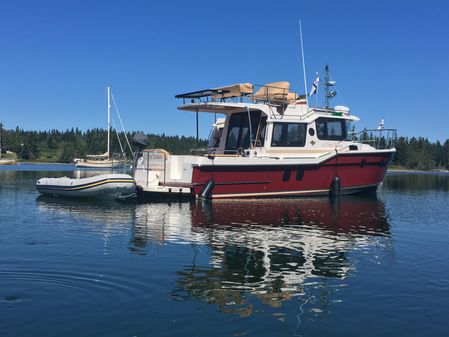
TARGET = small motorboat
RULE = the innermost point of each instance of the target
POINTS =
(115, 186)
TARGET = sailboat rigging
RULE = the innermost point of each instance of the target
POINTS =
(105, 160)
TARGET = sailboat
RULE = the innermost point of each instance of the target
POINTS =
(104, 160)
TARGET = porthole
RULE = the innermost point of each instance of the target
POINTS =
(311, 132)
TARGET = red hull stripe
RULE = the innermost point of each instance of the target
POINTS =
(269, 194)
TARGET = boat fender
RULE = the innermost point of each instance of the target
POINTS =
(207, 189)
(335, 187)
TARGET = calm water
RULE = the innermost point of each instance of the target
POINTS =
(359, 266)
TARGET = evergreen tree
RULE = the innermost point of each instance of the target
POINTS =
(68, 153)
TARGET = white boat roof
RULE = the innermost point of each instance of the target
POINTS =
(297, 111)
(219, 107)
(273, 99)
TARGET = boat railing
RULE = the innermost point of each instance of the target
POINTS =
(380, 139)
(266, 94)
(154, 160)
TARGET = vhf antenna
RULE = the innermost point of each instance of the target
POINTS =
(327, 84)
(303, 64)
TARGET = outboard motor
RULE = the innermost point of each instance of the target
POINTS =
(141, 142)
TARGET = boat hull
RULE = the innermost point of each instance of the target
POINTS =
(7, 162)
(356, 172)
(109, 186)
(101, 164)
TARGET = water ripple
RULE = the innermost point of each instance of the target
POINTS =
(88, 282)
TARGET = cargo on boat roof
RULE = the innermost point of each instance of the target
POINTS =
(271, 92)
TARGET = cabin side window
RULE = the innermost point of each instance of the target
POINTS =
(214, 138)
(289, 135)
(331, 129)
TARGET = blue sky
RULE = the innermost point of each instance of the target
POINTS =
(389, 58)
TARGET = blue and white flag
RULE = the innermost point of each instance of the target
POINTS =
(315, 85)
(381, 125)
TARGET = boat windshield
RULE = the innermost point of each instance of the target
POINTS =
(331, 129)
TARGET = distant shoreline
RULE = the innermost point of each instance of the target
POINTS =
(42, 163)
(404, 170)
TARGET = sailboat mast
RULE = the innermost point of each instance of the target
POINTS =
(109, 119)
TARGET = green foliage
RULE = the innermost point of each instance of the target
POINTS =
(68, 153)
(420, 154)
(64, 146)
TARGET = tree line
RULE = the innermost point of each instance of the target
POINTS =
(421, 154)
(64, 146)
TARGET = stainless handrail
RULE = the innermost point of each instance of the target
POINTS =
(389, 138)
(165, 154)
(279, 98)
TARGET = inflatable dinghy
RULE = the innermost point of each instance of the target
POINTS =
(114, 186)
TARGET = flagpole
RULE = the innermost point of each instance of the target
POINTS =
(303, 64)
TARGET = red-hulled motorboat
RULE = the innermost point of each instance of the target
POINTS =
(271, 143)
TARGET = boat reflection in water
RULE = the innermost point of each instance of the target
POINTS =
(272, 249)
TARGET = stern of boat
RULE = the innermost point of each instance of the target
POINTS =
(159, 172)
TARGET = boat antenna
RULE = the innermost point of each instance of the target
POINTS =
(109, 119)
(303, 63)
(327, 85)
